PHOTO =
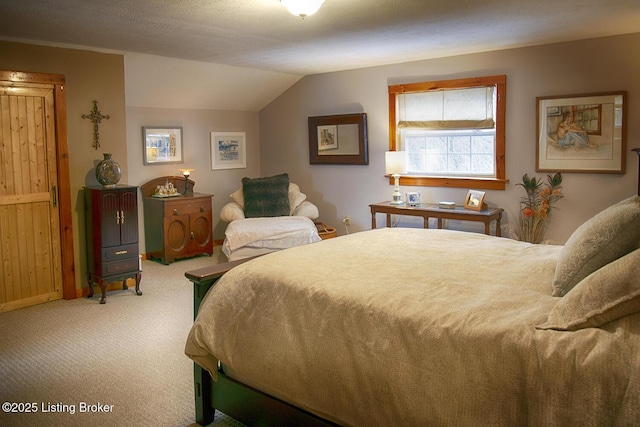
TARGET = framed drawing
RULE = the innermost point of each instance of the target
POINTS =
(327, 137)
(228, 150)
(474, 200)
(581, 133)
(338, 140)
(161, 145)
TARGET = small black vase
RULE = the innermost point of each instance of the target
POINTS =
(108, 171)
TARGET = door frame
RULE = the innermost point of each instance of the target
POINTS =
(62, 159)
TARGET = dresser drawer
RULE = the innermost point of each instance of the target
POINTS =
(118, 253)
(192, 207)
(117, 267)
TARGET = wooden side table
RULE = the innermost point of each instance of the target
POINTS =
(433, 211)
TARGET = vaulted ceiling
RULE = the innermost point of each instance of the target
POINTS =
(343, 34)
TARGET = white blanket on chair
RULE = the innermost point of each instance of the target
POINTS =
(267, 232)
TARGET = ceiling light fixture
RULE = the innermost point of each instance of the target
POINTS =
(302, 8)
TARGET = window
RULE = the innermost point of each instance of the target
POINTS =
(452, 131)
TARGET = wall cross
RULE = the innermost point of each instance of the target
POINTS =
(96, 117)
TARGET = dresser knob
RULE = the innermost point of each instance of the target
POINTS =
(175, 211)
(201, 208)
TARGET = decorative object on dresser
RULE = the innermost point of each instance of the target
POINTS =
(108, 171)
(176, 225)
(111, 219)
(186, 173)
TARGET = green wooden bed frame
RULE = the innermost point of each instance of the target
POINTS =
(237, 400)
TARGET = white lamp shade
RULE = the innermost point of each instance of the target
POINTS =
(302, 8)
(395, 162)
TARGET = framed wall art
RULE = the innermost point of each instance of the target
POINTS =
(228, 150)
(161, 145)
(581, 133)
(338, 139)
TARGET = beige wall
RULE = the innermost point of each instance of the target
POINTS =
(101, 76)
(277, 137)
(197, 126)
(599, 65)
(89, 76)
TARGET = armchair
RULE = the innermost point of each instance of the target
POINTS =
(266, 215)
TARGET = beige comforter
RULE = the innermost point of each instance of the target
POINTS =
(417, 327)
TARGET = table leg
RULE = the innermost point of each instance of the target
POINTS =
(498, 226)
(388, 220)
(440, 223)
(426, 222)
(487, 227)
(373, 220)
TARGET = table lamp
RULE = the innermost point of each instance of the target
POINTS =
(395, 165)
(186, 173)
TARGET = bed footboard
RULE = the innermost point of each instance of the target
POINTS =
(203, 279)
(237, 400)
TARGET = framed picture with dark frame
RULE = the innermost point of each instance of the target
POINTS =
(474, 200)
(161, 145)
(338, 140)
(581, 133)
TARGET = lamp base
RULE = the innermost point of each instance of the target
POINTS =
(397, 196)
(186, 187)
(397, 199)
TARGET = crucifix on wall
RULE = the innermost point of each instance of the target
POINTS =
(96, 117)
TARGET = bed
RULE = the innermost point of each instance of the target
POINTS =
(426, 327)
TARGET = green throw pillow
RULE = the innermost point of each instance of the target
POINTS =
(266, 197)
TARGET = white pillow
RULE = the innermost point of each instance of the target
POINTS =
(231, 212)
(307, 209)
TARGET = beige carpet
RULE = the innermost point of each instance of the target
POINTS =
(127, 355)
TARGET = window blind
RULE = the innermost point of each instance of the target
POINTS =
(451, 109)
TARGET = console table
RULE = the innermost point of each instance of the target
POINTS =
(433, 211)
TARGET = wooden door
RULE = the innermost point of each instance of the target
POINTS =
(30, 256)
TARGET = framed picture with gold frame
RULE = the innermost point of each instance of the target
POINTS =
(474, 200)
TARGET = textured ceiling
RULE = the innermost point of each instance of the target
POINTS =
(344, 34)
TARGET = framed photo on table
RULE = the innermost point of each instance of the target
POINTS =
(228, 150)
(474, 200)
(581, 133)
